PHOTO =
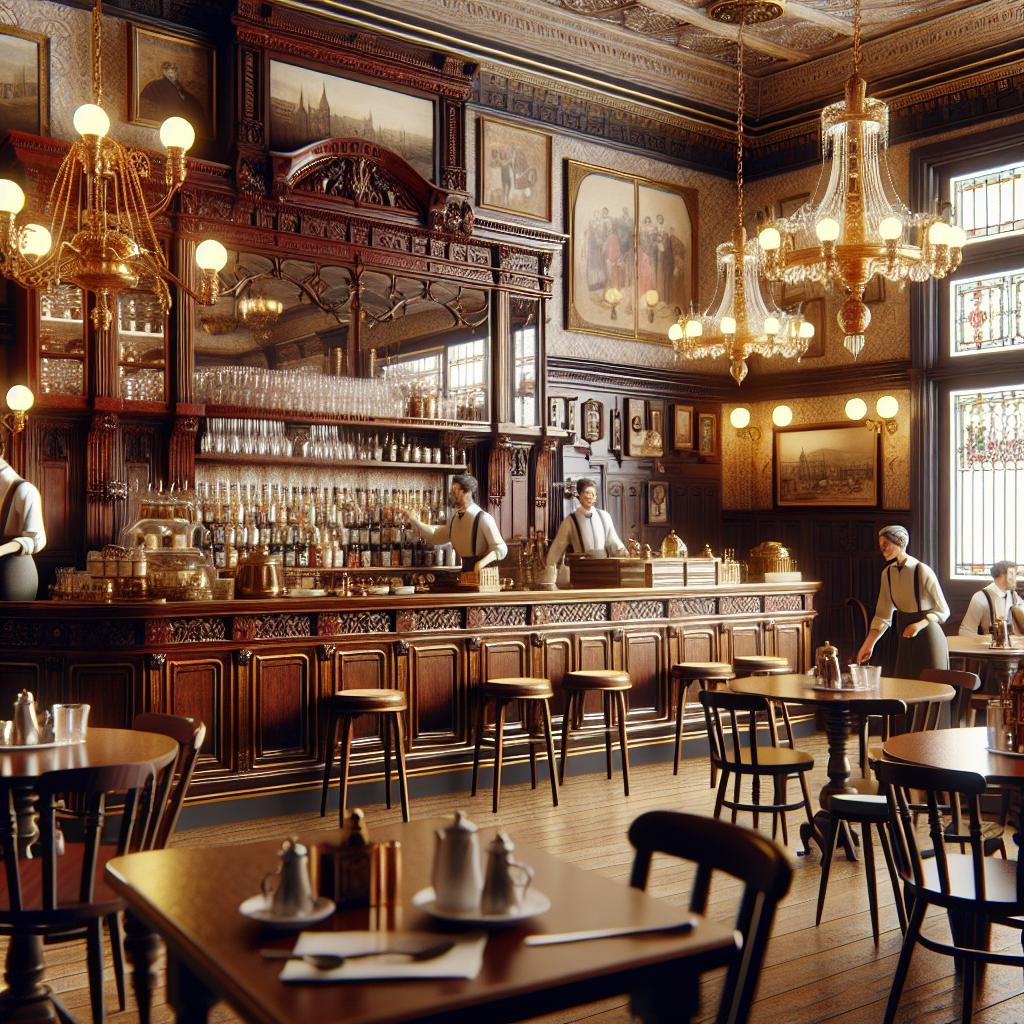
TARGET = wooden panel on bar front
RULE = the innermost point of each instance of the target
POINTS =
(198, 688)
(643, 652)
(437, 693)
(555, 660)
(282, 690)
(112, 689)
(364, 668)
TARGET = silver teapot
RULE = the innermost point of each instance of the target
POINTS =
(457, 878)
(27, 727)
(506, 881)
(1000, 632)
(289, 890)
(826, 665)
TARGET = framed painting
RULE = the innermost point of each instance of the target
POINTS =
(827, 466)
(654, 436)
(707, 433)
(636, 425)
(593, 420)
(557, 412)
(657, 502)
(513, 169)
(24, 80)
(632, 242)
(345, 108)
(682, 427)
(615, 434)
(170, 76)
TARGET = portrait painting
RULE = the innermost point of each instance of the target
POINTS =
(682, 427)
(24, 80)
(632, 241)
(707, 433)
(636, 425)
(170, 76)
(657, 502)
(307, 106)
(513, 169)
(827, 466)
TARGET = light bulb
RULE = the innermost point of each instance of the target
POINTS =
(807, 329)
(890, 229)
(694, 328)
(770, 239)
(957, 236)
(20, 398)
(939, 233)
(675, 332)
(740, 417)
(827, 229)
(651, 297)
(856, 408)
(782, 415)
(35, 241)
(771, 326)
(12, 198)
(211, 255)
(887, 407)
(177, 133)
(728, 325)
(90, 119)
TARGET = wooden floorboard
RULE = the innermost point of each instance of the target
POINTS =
(834, 972)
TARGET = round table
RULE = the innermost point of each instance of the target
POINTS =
(26, 998)
(840, 708)
(1003, 660)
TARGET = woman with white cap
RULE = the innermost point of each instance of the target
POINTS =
(910, 590)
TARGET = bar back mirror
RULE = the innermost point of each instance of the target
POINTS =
(524, 319)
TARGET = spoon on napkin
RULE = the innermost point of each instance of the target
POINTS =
(331, 961)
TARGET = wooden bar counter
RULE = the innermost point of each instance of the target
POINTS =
(256, 671)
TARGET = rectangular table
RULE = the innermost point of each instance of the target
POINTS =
(190, 898)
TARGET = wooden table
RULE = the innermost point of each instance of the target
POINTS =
(840, 709)
(1002, 660)
(190, 897)
(26, 998)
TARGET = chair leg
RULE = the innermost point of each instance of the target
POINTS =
(827, 853)
(499, 744)
(480, 716)
(807, 798)
(903, 964)
(787, 724)
(343, 761)
(332, 742)
(526, 710)
(545, 714)
(403, 782)
(755, 792)
(94, 959)
(606, 700)
(707, 719)
(970, 975)
(720, 795)
(385, 728)
(736, 787)
(115, 929)
(870, 879)
(620, 703)
(680, 701)
(894, 878)
(566, 722)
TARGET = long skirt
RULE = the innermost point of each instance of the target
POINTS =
(926, 650)
(19, 580)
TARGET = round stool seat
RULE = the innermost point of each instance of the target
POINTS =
(597, 679)
(358, 702)
(710, 670)
(762, 664)
(518, 688)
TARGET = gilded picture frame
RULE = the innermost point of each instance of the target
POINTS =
(682, 427)
(513, 169)
(25, 89)
(657, 502)
(707, 433)
(829, 465)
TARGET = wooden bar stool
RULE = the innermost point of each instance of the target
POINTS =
(343, 708)
(533, 694)
(705, 674)
(768, 665)
(613, 687)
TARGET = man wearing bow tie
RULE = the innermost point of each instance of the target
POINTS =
(470, 530)
(996, 601)
(911, 591)
(588, 531)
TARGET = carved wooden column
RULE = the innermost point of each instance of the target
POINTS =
(181, 458)
(453, 115)
(542, 478)
(105, 482)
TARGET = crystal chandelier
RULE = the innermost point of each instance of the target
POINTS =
(742, 318)
(259, 313)
(101, 235)
(856, 225)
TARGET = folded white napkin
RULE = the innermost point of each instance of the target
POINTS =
(463, 960)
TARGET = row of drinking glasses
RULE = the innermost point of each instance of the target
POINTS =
(235, 436)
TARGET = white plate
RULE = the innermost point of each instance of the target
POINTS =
(307, 592)
(534, 903)
(257, 908)
(4, 747)
(1006, 753)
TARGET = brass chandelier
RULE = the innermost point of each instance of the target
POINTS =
(856, 225)
(101, 235)
(742, 319)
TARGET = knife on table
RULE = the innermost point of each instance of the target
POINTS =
(606, 933)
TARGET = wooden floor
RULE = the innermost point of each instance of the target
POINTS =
(831, 973)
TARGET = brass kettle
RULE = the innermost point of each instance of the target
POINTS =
(260, 575)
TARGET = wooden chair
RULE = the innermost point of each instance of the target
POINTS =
(768, 665)
(722, 709)
(63, 894)
(760, 865)
(976, 891)
(966, 684)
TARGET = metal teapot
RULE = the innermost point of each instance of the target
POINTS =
(27, 727)
(506, 880)
(1000, 632)
(826, 665)
(289, 889)
(260, 575)
(457, 878)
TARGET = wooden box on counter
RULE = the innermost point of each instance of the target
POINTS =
(655, 573)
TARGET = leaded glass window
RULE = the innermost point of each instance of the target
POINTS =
(987, 313)
(990, 203)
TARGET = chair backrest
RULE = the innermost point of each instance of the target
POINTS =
(713, 845)
(56, 889)
(174, 782)
(914, 789)
(965, 683)
(725, 730)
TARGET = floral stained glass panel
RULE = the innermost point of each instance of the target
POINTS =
(988, 313)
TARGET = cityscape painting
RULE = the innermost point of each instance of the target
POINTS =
(834, 466)
(307, 106)
(24, 72)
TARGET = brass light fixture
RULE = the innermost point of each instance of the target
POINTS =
(19, 400)
(259, 313)
(743, 318)
(856, 225)
(887, 408)
(101, 235)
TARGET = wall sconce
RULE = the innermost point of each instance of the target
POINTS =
(19, 401)
(740, 420)
(651, 301)
(886, 408)
(782, 415)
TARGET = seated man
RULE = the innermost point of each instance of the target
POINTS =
(995, 601)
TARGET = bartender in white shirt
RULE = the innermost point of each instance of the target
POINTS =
(470, 530)
(993, 602)
(588, 531)
(21, 535)
(910, 591)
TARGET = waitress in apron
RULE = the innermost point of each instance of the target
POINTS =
(21, 535)
(910, 591)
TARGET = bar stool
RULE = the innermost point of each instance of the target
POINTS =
(705, 674)
(533, 694)
(613, 687)
(768, 665)
(343, 708)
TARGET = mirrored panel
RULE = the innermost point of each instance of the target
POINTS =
(524, 316)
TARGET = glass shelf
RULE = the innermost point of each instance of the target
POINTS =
(62, 341)
(141, 347)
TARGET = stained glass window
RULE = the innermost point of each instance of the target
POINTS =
(990, 203)
(987, 313)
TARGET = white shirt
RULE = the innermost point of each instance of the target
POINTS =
(25, 520)
(901, 575)
(978, 618)
(459, 530)
(597, 531)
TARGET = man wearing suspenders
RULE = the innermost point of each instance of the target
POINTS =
(21, 535)
(587, 531)
(470, 530)
(996, 601)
